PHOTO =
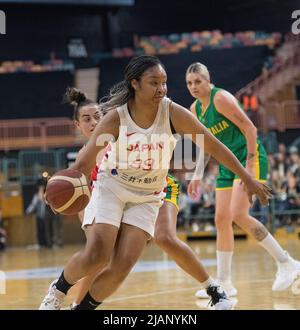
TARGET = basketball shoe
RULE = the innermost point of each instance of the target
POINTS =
(286, 274)
(204, 303)
(228, 287)
(218, 298)
(53, 299)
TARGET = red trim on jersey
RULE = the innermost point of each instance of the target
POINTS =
(164, 188)
(95, 171)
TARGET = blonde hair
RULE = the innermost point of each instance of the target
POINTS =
(200, 68)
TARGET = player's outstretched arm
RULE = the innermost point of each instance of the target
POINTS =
(185, 123)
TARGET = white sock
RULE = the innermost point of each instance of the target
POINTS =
(209, 282)
(275, 250)
(224, 259)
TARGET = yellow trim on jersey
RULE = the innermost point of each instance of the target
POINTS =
(261, 181)
(256, 164)
(172, 193)
(224, 188)
(173, 201)
(228, 188)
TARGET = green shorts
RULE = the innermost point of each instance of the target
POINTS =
(226, 177)
(172, 191)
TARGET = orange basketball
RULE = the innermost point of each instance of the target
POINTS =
(68, 192)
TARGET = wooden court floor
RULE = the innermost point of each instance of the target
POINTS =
(155, 283)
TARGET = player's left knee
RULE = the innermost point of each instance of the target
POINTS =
(239, 215)
(165, 240)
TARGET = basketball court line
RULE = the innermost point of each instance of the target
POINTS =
(54, 272)
(181, 290)
(140, 267)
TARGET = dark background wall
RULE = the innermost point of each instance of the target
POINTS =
(33, 31)
(171, 16)
(34, 95)
(229, 68)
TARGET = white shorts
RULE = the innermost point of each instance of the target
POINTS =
(112, 203)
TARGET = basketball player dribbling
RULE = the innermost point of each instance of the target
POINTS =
(219, 111)
(86, 116)
(129, 186)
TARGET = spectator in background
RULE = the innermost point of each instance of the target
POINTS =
(280, 165)
(3, 235)
(56, 227)
(209, 186)
(285, 180)
(293, 198)
(39, 207)
(282, 148)
(294, 166)
(260, 212)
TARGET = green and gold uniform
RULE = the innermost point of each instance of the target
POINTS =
(230, 135)
(172, 191)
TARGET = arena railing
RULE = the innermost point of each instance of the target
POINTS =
(273, 216)
(42, 133)
(291, 110)
(45, 133)
(284, 71)
(279, 116)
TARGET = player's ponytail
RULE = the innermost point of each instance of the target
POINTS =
(118, 95)
(77, 99)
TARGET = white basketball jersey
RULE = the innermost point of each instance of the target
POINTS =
(140, 157)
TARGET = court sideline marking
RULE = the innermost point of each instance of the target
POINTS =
(180, 290)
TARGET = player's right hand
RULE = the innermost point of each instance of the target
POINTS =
(261, 190)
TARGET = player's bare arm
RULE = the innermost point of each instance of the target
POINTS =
(105, 131)
(185, 123)
(228, 106)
